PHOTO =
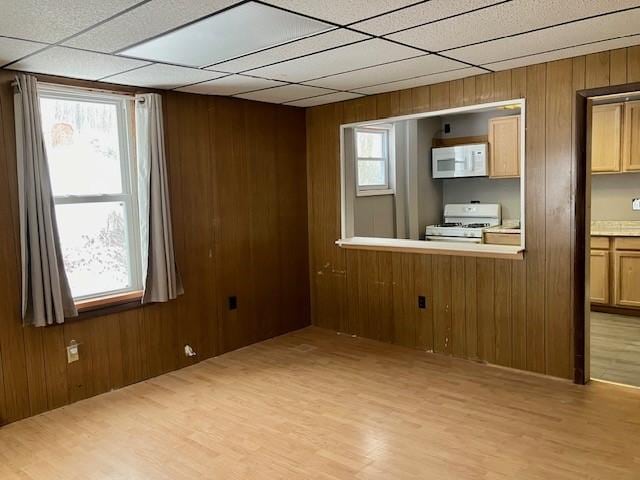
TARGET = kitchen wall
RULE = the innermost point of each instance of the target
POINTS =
(430, 191)
(611, 196)
(516, 313)
(238, 189)
(505, 191)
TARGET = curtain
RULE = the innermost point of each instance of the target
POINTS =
(46, 296)
(161, 279)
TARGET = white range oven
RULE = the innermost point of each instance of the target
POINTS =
(459, 161)
(465, 222)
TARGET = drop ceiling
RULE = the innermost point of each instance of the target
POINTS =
(303, 52)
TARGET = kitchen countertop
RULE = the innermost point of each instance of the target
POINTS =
(508, 226)
(610, 228)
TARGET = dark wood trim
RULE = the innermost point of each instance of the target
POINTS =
(580, 169)
(581, 172)
(629, 312)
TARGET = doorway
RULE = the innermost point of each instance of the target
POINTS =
(611, 212)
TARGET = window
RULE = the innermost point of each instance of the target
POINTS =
(94, 183)
(372, 161)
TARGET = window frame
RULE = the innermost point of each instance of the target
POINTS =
(129, 195)
(381, 189)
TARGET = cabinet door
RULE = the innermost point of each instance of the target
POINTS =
(606, 138)
(627, 279)
(631, 137)
(504, 146)
(599, 278)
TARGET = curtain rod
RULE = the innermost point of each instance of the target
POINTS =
(15, 84)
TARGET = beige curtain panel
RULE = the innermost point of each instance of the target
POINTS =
(161, 278)
(46, 296)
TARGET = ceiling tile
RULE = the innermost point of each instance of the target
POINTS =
(53, 20)
(243, 29)
(503, 19)
(305, 46)
(68, 62)
(11, 49)
(350, 57)
(147, 20)
(231, 85)
(323, 99)
(566, 53)
(420, 14)
(286, 93)
(340, 11)
(568, 35)
(389, 72)
(163, 76)
(423, 80)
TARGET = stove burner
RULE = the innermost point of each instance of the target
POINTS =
(476, 225)
(449, 224)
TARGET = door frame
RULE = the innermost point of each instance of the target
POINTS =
(582, 178)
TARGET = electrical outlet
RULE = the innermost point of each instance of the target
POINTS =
(233, 302)
(447, 128)
(422, 301)
(635, 204)
(73, 352)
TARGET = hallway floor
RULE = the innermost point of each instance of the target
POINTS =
(615, 348)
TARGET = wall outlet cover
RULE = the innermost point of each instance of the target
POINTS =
(635, 204)
(73, 352)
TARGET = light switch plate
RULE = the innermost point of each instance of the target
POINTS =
(73, 352)
(635, 204)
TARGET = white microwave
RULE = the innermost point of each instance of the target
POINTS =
(460, 161)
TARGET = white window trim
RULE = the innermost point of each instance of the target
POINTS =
(372, 190)
(128, 169)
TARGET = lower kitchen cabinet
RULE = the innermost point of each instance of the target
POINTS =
(627, 279)
(600, 277)
(615, 271)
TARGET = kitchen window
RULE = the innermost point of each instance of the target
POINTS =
(89, 139)
(372, 161)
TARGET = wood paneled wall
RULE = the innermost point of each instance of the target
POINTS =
(238, 190)
(513, 313)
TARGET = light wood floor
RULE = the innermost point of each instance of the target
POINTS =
(315, 405)
(615, 348)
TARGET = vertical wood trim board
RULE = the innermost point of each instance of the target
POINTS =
(514, 313)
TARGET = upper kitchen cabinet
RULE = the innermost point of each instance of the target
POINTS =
(504, 147)
(606, 135)
(631, 137)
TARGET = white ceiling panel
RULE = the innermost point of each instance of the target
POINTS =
(230, 85)
(11, 49)
(324, 99)
(423, 80)
(68, 62)
(504, 19)
(305, 46)
(566, 53)
(163, 76)
(247, 28)
(420, 14)
(286, 93)
(351, 57)
(145, 21)
(568, 35)
(341, 12)
(53, 20)
(389, 72)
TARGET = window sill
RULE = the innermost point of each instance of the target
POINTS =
(371, 193)
(107, 301)
(433, 248)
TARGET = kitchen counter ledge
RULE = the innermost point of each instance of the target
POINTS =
(433, 248)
